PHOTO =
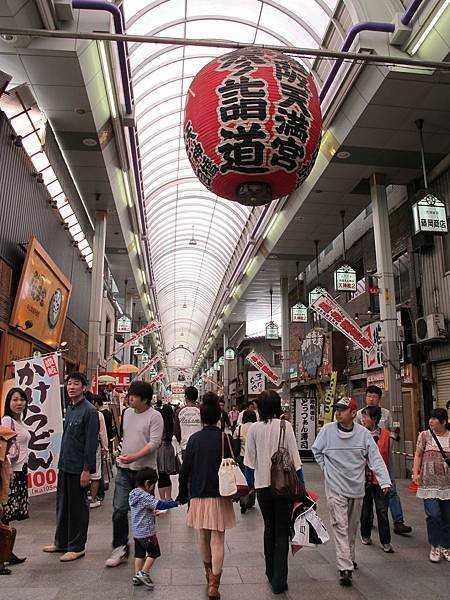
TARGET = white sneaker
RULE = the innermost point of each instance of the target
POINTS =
(445, 553)
(95, 504)
(435, 554)
(366, 541)
(118, 555)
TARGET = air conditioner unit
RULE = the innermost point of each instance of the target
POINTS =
(431, 327)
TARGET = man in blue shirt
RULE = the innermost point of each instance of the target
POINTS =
(76, 463)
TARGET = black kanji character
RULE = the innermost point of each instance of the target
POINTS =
(286, 70)
(39, 369)
(292, 123)
(245, 154)
(243, 99)
(288, 153)
(296, 95)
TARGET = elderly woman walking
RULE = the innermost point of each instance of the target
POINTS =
(208, 512)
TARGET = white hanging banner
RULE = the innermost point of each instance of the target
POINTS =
(258, 361)
(305, 422)
(149, 365)
(256, 382)
(39, 378)
(149, 328)
(327, 307)
(345, 279)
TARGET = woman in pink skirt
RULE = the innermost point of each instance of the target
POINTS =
(199, 483)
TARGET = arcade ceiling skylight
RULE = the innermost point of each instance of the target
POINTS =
(193, 233)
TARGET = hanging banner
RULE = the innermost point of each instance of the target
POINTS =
(329, 399)
(327, 307)
(39, 378)
(256, 382)
(177, 388)
(345, 279)
(150, 364)
(429, 214)
(258, 361)
(149, 328)
(157, 377)
(124, 324)
(305, 422)
(94, 382)
(299, 313)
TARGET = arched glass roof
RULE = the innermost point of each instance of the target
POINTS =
(178, 208)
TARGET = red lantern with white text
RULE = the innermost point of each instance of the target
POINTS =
(252, 125)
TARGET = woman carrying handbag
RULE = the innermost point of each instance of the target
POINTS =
(267, 439)
(208, 511)
(16, 508)
(431, 473)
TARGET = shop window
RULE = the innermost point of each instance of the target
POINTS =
(401, 278)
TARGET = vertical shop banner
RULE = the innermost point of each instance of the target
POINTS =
(330, 395)
(256, 382)
(305, 422)
(39, 378)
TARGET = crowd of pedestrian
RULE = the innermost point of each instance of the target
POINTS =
(157, 442)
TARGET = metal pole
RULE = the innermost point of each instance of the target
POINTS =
(96, 300)
(305, 52)
(388, 311)
(226, 373)
(419, 125)
(129, 312)
(285, 346)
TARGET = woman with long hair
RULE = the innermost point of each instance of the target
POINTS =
(208, 512)
(16, 509)
(431, 473)
(262, 442)
(166, 457)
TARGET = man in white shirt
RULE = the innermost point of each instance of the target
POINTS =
(373, 398)
(143, 428)
(187, 420)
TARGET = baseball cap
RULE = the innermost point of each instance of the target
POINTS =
(346, 403)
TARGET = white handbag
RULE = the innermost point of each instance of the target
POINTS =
(232, 483)
(309, 529)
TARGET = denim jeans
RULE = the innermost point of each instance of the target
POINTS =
(125, 482)
(276, 513)
(375, 494)
(438, 521)
(395, 505)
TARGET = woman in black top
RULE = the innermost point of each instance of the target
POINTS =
(199, 482)
(166, 458)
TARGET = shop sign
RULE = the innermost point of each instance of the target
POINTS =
(345, 279)
(221, 361)
(374, 358)
(293, 372)
(429, 214)
(154, 359)
(317, 292)
(138, 349)
(39, 379)
(216, 366)
(149, 328)
(229, 353)
(299, 313)
(272, 331)
(256, 382)
(312, 351)
(124, 324)
(177, 388)
(330, 395)
(120, 379)
(42, 297)
(305, 422)
(258, 361)
(157, 377)
(329, 309)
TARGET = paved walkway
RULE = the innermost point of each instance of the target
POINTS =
(179, 575)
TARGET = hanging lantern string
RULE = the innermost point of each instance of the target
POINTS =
(419, 125)
(343, 234)
(298, 283)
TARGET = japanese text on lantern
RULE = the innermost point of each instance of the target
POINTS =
(202, 164)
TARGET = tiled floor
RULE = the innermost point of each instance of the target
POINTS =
(179, 575)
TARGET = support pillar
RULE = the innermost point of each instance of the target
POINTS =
(215, 373)
(129, 311)
(226, 374)
(388, 310)
(285, 346)
(96, 299)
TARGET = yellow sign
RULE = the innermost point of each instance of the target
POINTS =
(329, 399)
(42, 297)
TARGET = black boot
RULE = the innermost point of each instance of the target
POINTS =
(15, 560)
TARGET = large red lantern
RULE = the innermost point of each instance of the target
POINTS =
(252, 125)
